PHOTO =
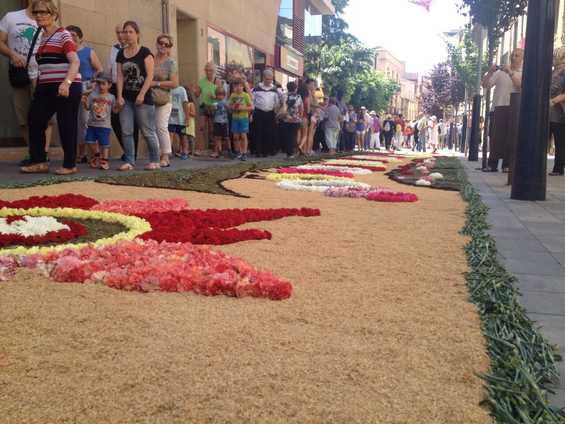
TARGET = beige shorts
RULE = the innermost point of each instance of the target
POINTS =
(22, 103)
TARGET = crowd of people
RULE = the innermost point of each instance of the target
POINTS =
(58, 80)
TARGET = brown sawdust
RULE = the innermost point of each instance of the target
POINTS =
(378, 329)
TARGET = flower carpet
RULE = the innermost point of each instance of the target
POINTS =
(437, 172)
(376, 327)
(335, 178)
(162, 258)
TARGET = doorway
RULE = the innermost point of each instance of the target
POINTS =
(187, 54)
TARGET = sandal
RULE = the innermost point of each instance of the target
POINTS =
(95, 162)
(556, 174)
(164, 164)
(36, 168)
(104, 164)
(126, 167)
(152, 166)
(66, 171)
(214, 155)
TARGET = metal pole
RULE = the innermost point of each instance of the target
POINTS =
(529, 179)
(475, 128)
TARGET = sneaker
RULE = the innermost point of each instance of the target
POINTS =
(243, 157)
(183, 156)
(239, 155)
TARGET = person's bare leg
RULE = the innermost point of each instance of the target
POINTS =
(237, 144)
(48, 136)
(243, 143)
(310, 140)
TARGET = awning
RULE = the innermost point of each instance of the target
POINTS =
(320, 7)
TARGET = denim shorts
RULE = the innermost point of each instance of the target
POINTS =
(240, 126)
(176, 129)
(98, 134)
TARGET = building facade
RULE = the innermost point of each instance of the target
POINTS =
(228, 32)
(294, 16)
(405, 101)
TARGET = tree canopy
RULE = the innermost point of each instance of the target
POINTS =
(497, 16)
(345, 65)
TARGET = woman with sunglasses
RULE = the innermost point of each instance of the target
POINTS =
(58, 91)
(166, 79)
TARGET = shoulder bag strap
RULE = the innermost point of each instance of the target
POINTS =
(33, 43)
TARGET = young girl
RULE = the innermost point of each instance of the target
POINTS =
(190, 129)
(180, 119)
(360, 129)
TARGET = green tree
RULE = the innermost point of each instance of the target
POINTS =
(462, 58)
(373, 90)
(334, 27)
(345, 65)
(338, 64)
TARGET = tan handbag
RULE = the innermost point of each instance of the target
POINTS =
(161, 96)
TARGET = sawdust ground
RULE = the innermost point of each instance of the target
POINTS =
(378, 330)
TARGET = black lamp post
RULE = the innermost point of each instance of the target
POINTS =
(475, 129)
(529, 177)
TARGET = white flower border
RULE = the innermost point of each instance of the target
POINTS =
(319, 185)
(136, 226)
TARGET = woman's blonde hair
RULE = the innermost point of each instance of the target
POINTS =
(49, 4)
(168, 37)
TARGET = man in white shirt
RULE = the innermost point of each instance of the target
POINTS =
(505, 80)
(17, 30)
(267, 100)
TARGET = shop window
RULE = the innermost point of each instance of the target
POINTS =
(216, 48)
(312, 24)
(285, 23)
(239, 55)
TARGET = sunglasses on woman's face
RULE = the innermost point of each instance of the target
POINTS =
(41, 12)
(164, 44)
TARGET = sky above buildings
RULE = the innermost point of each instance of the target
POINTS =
(408, 31)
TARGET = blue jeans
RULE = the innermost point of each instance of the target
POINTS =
(145, 116)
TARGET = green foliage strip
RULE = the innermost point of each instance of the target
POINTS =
(523, 363)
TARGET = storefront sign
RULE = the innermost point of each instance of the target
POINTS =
(291, 61)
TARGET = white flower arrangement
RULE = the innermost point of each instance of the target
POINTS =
(136, 226)
(355, 171)
(30, 226)
(423, 183)
(319, 185)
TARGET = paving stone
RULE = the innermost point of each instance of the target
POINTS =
(553, 243)
(560, 258)
(558, 398)
(537, 263)
(541, 229)
(544, 303)
(540, 283)
(508, 245)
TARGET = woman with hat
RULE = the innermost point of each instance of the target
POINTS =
(557, 111)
